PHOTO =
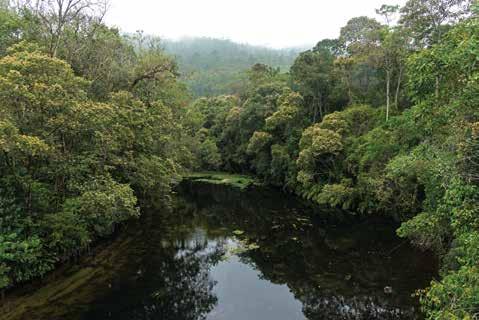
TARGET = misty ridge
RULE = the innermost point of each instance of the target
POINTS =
(212, 66)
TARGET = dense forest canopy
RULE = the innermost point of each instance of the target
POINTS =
(382, 120)
(88, 124)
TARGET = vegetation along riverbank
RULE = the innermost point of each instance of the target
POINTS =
(381, 121)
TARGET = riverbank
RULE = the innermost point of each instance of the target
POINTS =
(218, 240)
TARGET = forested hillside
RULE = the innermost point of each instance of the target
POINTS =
(383, 120)
(214, 66)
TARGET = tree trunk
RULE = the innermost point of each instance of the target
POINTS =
(347, 80)
(350, 90)
(320, 101)
(388, 89)
(437, 89)
(398, 88)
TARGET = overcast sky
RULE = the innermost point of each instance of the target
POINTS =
(274, 23)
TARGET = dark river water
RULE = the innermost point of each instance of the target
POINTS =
(225, 254)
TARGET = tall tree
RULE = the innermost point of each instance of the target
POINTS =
(313, 72)
(56, 15)
(10, 27)
(359, 35)
(427, 19)
(391, 51)
(360, 40)
(388, 12)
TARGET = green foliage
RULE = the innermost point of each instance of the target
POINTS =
(358, 34)
(416, 163)
(337, 195)
(65, 233)
(319, 151)
(80, 139)
(313, 73)
(445, 114)
(221, 178)
(10, 27)
(91, 121)
(282, 168)
(427, 20)
(259, 141)
(101, 55)
(22, 259)
(456, 296)
(209, 154)
(288, 117)
(426, 231)
(103, 204)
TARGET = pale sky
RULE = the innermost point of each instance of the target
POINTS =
(273, 23)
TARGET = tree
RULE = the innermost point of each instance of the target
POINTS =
(259, 73)
(389, 48)
(56, 15)
(71, 166)
(289, 116)
(360, 40)
(312, 71)
(388, 12)
(392, 54)
(329, 45)
(427, 19)
(318, 151)
(10, 28)
(360, 35)
(101, 55)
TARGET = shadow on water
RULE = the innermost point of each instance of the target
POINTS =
(225, 254)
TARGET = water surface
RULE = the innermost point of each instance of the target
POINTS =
(225, 254)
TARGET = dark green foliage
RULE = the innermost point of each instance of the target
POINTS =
(382, 120)
(324, 134)
(313, 72)
(81, 140)
(10, 28)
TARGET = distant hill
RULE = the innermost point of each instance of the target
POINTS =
(215, 66)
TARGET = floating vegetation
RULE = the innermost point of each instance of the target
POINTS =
(238, 232)
(221, 178)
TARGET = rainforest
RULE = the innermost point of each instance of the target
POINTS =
(143, 178)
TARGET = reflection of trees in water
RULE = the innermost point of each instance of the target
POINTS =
(317, 306)
(335, 303)
(294, 253)
(175, 285)
(186, 292)
(323, 289)
(348, 263)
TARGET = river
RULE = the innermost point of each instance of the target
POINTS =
(222, 253)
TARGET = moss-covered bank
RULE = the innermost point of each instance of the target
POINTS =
(222, 178)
